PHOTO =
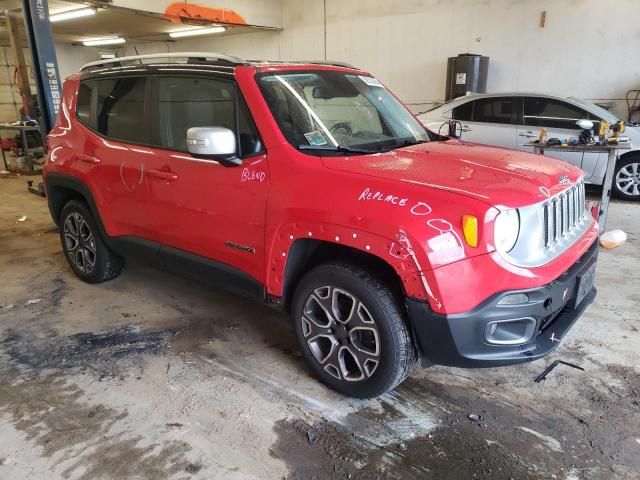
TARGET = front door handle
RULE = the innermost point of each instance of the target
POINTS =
(164, 175)
(89, 159)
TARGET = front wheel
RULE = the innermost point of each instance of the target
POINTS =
(626, 179)
(352, 330)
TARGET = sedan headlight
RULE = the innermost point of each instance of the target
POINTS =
(506, 230)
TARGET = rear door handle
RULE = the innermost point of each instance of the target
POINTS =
(90, 159)
(164, 175)
(465, 128)
(528, 135)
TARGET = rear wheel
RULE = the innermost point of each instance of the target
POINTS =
(352, 330)
(86, 252)
(626, 179)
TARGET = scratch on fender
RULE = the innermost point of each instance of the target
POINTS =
(406, 243)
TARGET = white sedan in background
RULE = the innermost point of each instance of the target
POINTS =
(513, 120)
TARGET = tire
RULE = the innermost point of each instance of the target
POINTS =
(88, 256)
(352, 330)
(626, 179)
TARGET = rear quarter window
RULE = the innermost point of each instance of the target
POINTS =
(463, 112)
(83, 109)
(552, 113)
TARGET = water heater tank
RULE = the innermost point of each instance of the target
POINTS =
(466, 73)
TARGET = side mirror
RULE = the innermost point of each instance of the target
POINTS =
(585, 124)
(213, 143)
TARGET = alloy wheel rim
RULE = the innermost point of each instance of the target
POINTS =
(341, 334)
(79, 242)
(628, 179)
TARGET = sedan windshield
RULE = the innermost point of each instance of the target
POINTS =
(329, 112)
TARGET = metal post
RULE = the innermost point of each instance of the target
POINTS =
(4, 159)
(45, 63)
(606, 189)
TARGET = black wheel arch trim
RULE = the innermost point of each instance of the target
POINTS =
(55, 180)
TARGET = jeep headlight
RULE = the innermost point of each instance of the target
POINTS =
(506, 230)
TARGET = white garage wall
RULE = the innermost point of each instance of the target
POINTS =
(584, 50)
(70, 58)
(588, 48)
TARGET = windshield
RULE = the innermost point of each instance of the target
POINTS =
(596, 109)
(328, 111)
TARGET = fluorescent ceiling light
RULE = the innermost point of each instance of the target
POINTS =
(71, 14)
(103, 41)
(107, 55)
(196, 31)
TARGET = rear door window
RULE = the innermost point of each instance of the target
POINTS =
(115, 107)
(121, 111)
(552, 113)
(494, 110)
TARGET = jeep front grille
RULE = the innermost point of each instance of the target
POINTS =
(548, 228)
(563, 213)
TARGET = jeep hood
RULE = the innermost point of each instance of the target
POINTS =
(497, 176)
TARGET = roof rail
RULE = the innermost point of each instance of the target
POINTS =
(188, 55)
(308, 62)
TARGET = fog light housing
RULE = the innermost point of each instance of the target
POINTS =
(510, 332)
(514, 299)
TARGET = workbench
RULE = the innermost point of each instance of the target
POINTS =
(28, 152)
(612, 157)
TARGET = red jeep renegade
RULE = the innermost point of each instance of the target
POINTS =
(311, 186)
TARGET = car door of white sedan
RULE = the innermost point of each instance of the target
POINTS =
(490, 121)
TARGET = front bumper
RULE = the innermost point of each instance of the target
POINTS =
(464, 340)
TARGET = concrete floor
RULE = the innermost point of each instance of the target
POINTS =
(152, 377)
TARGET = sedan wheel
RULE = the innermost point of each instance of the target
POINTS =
(628, 179)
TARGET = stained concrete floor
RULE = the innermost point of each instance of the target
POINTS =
(153, 377)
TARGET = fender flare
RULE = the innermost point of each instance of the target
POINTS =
(398, 254)
(69, 182)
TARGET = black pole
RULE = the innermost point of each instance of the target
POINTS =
(45, 62)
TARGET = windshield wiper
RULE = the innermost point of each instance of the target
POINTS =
(337, 148)
(393, 144)
(408, 143)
